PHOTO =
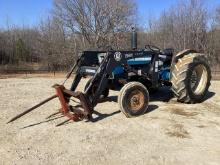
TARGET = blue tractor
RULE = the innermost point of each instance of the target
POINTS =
(137, 72)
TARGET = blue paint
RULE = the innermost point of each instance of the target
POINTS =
(139, 61)
(118, 70)
(165, 74)
(134, 61)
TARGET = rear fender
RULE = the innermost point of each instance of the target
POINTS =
(179, 56)
(183, 53)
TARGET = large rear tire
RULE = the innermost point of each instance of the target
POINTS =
(190, 78)
(133, 99)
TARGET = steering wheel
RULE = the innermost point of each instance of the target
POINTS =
(153, 48)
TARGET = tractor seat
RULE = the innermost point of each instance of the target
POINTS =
(166, 54)
(168, 51)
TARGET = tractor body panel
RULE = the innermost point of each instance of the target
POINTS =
(91, 60)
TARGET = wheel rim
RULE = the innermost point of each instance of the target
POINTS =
(199, 79)
(136, 100)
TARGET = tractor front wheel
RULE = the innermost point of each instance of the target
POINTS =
(133, 99)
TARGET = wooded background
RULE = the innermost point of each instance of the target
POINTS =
(76, 25)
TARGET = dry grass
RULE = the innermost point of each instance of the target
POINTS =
(177, 130)
(212, 107)
(201, 126)
(181, 112)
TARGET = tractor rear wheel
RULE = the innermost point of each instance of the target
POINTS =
(133, 99)
(191, 77)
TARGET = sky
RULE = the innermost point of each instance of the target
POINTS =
(23, 12)
(30, 12)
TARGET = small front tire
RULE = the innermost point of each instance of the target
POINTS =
(133, 99)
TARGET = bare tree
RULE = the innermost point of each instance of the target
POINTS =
(214, 39)
(75, 25)
(217, 17)
(53, 43)
(98, 21)
(182, 26)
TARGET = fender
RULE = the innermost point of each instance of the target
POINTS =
(183, 53)
(180, 55)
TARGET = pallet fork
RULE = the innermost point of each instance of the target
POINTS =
(72, 112)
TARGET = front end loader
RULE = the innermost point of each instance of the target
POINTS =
(135, 73)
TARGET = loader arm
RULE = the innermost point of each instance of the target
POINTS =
(112, 60)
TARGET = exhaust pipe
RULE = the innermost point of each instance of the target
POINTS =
(134, 39)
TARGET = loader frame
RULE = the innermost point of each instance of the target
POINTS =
(112, 60)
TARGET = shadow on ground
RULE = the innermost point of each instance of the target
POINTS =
(101, 116)
(164, 94)
(209, 95)
(35, 124)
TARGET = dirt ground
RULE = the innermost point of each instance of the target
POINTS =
(170, 133)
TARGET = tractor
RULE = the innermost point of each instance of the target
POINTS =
(136, 73)
(139, 71)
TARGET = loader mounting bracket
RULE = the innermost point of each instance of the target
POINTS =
(73, 112)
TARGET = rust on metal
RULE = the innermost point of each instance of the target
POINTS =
(136, 100)
(77, 113)
(63, 102)
(87, 108)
